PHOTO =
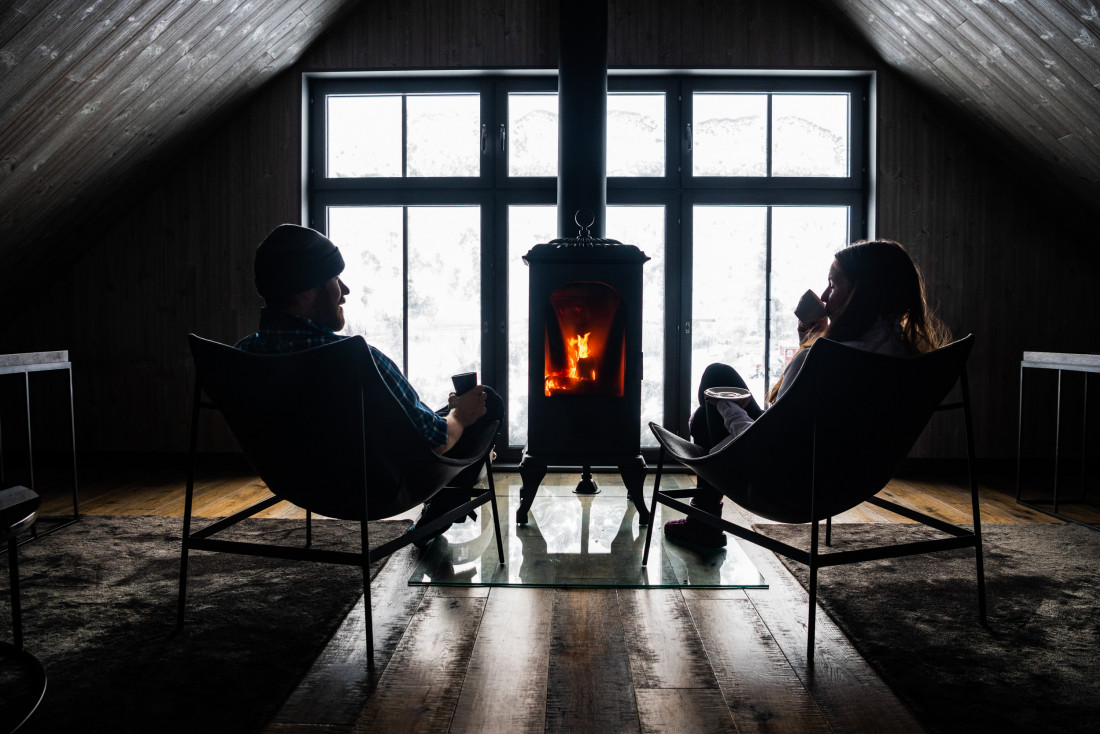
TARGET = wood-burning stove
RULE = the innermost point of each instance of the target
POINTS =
(585, 363)
(585, 341)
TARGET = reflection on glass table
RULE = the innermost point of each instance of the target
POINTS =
(575, 540)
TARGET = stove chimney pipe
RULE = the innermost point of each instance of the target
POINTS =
(582, 114)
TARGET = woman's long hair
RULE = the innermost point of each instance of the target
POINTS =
(885, 286)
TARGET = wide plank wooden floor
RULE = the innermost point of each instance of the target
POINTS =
(452, 659)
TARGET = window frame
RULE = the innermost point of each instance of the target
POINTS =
(678, 190)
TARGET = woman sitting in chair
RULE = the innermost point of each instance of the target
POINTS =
(875, 300)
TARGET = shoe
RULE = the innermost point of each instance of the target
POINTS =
(440, 504)
(696, 534)
(424, 542)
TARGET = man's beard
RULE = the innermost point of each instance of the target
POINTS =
(336, 321)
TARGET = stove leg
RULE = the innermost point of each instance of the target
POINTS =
(633, 474)
(531, 471)
(587, 485)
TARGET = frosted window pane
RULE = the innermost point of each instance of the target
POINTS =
(644, 226)
(527, 226)
(635, 135)
(369, 239)
(804, 240)
(364, 136)
(444, 135)
(532, 135)
(444, 298)
(810, 135)
(729, 134)
(728, 293)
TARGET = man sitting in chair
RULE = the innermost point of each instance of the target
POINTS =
(297, 273)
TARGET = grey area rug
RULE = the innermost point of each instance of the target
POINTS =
(915, 620)
(99, 604)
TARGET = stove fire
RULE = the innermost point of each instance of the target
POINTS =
(584, 342)
(581, 368)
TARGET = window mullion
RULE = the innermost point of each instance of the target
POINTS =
(404, 136)
(405, 290)
(768, 291)
(768, 150)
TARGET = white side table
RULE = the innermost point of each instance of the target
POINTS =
(26, 363)
(1086, 363)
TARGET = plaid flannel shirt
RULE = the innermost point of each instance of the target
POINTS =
(281, 333)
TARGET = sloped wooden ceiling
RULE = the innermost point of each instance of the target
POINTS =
(1028, 71)
(96, 94)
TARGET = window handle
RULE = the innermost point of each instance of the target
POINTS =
(689, 137)
(484, 136)
(502, 137)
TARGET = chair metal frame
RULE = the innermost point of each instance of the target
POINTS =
(814, 557)
(203, 539)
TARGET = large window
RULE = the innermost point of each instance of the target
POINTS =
(739, 189)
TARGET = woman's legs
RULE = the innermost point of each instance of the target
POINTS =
(707, 429)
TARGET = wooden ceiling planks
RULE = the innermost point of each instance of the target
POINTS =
(204, 71)
(1076, 20)
(96, 94)
(1045, 66)
(1027, 69)
(125, 78)
(42, 69)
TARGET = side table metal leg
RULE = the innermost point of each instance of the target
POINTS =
(1085, 439)
(30, 443)
(72, 423)
(1020, 435)
(1057, 439)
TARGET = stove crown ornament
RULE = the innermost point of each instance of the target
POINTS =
(584, 219)
(584, 247)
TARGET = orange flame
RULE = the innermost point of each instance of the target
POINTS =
(579, 346)
(568, 379)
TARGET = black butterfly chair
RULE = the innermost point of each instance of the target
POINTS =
(18, 513)
(829, 444)
(325, 433)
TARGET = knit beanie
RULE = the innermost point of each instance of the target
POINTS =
(293, 259)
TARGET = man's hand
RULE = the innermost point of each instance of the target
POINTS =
(469, 406)
(465, 410)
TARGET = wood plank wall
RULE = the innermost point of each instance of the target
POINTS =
(1001, 260)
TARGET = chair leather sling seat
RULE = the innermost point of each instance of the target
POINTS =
(273, 402)
(324, 432)
(855, 413)
(830, 443)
